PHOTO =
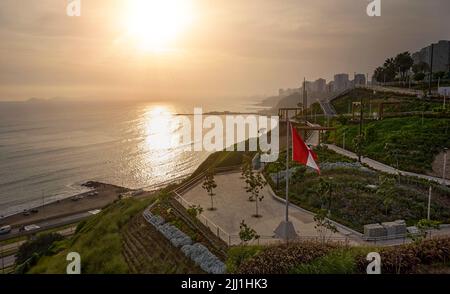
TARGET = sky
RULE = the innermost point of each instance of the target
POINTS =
(221, 50)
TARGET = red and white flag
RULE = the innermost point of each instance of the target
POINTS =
(302, 153)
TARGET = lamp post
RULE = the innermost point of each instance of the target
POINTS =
(429, 204)
(445, 165)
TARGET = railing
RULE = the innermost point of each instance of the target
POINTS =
(387, 237)
(273, 240)
(217, 230)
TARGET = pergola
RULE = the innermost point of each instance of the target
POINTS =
(320, 129)
(381, 107)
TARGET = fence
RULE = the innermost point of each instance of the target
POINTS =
(218, 231)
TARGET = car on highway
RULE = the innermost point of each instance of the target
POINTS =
(31, 228)
(5, 230)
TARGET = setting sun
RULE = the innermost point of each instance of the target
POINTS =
(155, 24)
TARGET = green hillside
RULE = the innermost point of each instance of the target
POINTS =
(99, 241)
(412, 141)
(371, 101)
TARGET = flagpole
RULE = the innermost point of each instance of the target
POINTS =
(287, 171)
(286, 229)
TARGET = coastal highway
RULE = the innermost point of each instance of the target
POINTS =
(9, 260)
(49, 224)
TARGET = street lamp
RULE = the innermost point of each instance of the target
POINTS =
(445, 165)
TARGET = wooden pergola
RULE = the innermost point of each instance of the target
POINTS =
(381, 107)
(320, 129)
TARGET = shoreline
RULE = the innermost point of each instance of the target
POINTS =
(99, 196)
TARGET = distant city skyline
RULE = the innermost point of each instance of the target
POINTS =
(229, 50)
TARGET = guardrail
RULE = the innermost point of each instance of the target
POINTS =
(217, 230)
(384, 238)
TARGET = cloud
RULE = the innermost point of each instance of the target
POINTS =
(233, 48)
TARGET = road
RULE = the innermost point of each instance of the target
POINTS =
(48, 224)
(9, 260)
(383, 167)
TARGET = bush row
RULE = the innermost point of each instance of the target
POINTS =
(196, 252)
(282, 258)
(406, 259)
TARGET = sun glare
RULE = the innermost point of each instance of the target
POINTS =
(155, 24)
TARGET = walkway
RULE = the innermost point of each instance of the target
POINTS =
(384, 167)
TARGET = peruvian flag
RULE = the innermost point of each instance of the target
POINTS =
(302, 153)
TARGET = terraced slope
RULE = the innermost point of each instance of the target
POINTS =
(146, 251)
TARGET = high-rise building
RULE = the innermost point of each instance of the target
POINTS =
(341, 82)
(441, 56)
(360, 79)
(309, 86)
(330, 87)
(320, 85)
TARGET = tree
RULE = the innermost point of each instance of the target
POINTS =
(439, 75)
(247, 169)
(194, 210)
(420, 76)
(246, 234)
(325, 191)
(358, 142)
(420, 67)
(40, 246)
(325, 228)
(424, 226)
(386, 191)
(392, 152)
(209, 185)
(403, 62)
(256, 184)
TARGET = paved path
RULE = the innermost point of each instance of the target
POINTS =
(384, 167)
(233, 206)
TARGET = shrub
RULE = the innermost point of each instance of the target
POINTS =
(283, 258)
(40, 246)
(239, 254)
(341, 261)
(406, 259)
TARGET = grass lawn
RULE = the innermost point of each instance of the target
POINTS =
(372, 101)
(413, 143)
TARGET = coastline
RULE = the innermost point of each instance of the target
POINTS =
(99, 196)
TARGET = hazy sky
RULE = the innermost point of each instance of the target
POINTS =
(232, 48)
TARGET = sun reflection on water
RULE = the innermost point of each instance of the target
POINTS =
(158, 128)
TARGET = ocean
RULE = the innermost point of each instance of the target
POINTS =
(48, 149)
